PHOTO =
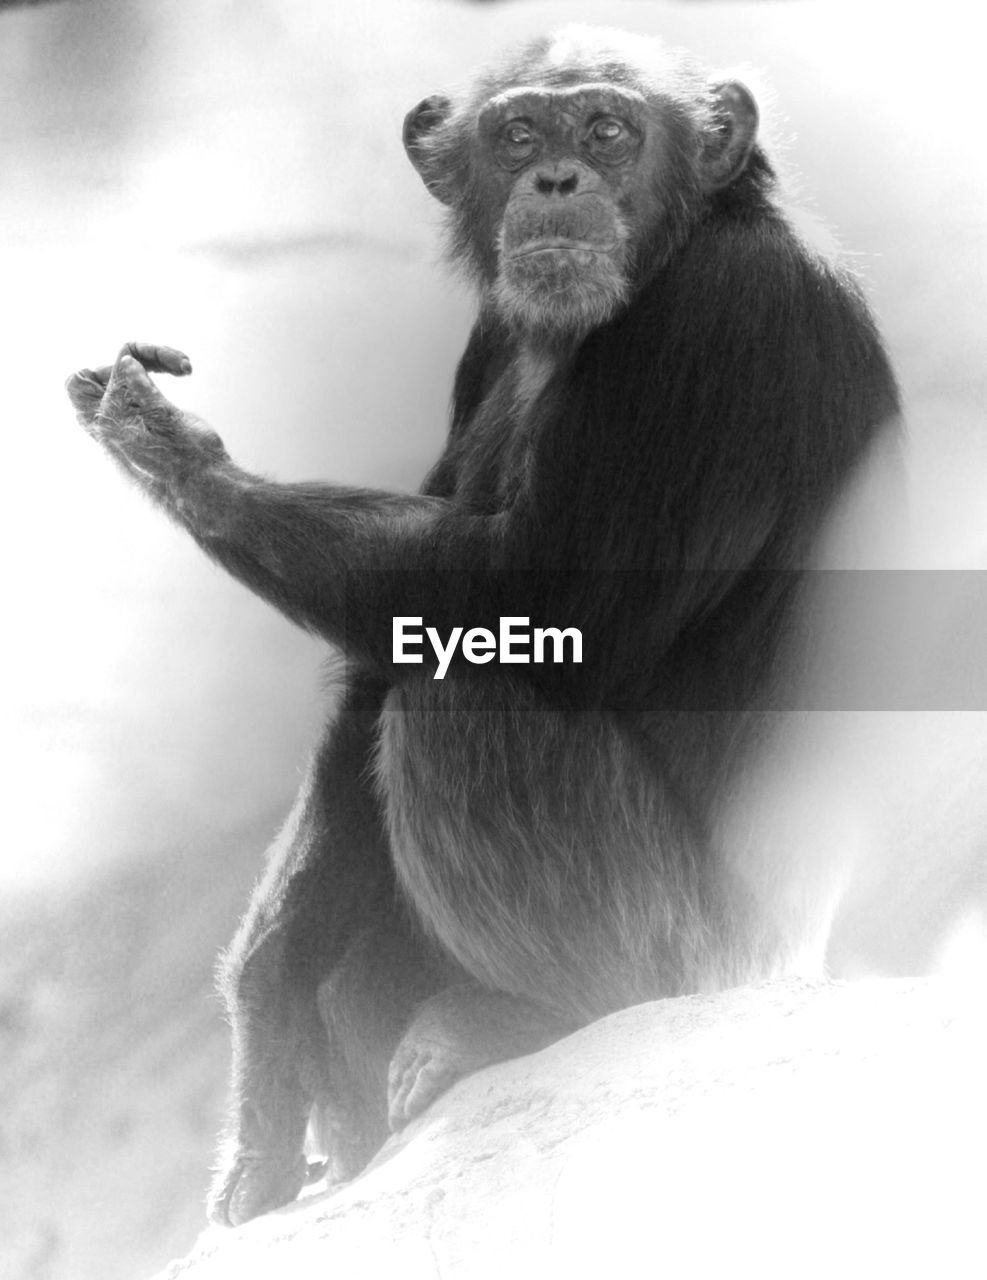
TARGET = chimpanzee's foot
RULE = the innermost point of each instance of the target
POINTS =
(455, 1033)
(250, 1183)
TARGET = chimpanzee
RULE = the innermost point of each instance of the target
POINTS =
(664, 392)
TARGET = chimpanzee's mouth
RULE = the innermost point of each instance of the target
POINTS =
(558, 244)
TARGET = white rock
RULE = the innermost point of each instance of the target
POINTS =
(789, 1130)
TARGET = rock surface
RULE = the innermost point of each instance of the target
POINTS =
(792, 1129)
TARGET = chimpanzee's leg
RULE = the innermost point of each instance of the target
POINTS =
(326, 908)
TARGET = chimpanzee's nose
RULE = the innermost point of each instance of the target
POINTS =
(556, 179)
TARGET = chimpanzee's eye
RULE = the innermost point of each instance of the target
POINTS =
(518, 135)
(608, 130)
(516, 143)
(612, 140)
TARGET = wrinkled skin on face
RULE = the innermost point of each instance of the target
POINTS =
(567, 168)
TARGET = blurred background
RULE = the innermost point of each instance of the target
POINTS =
(227, 177)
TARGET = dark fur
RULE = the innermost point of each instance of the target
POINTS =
(553, 834)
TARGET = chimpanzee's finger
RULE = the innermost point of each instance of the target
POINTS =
(86, 388)
(130, 389)
(158, 359)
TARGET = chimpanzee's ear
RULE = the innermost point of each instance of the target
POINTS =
(731, 134)
(430, 114)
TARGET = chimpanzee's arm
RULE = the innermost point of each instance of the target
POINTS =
(342, 562)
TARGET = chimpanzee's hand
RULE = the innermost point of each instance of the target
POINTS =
(122, 408)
